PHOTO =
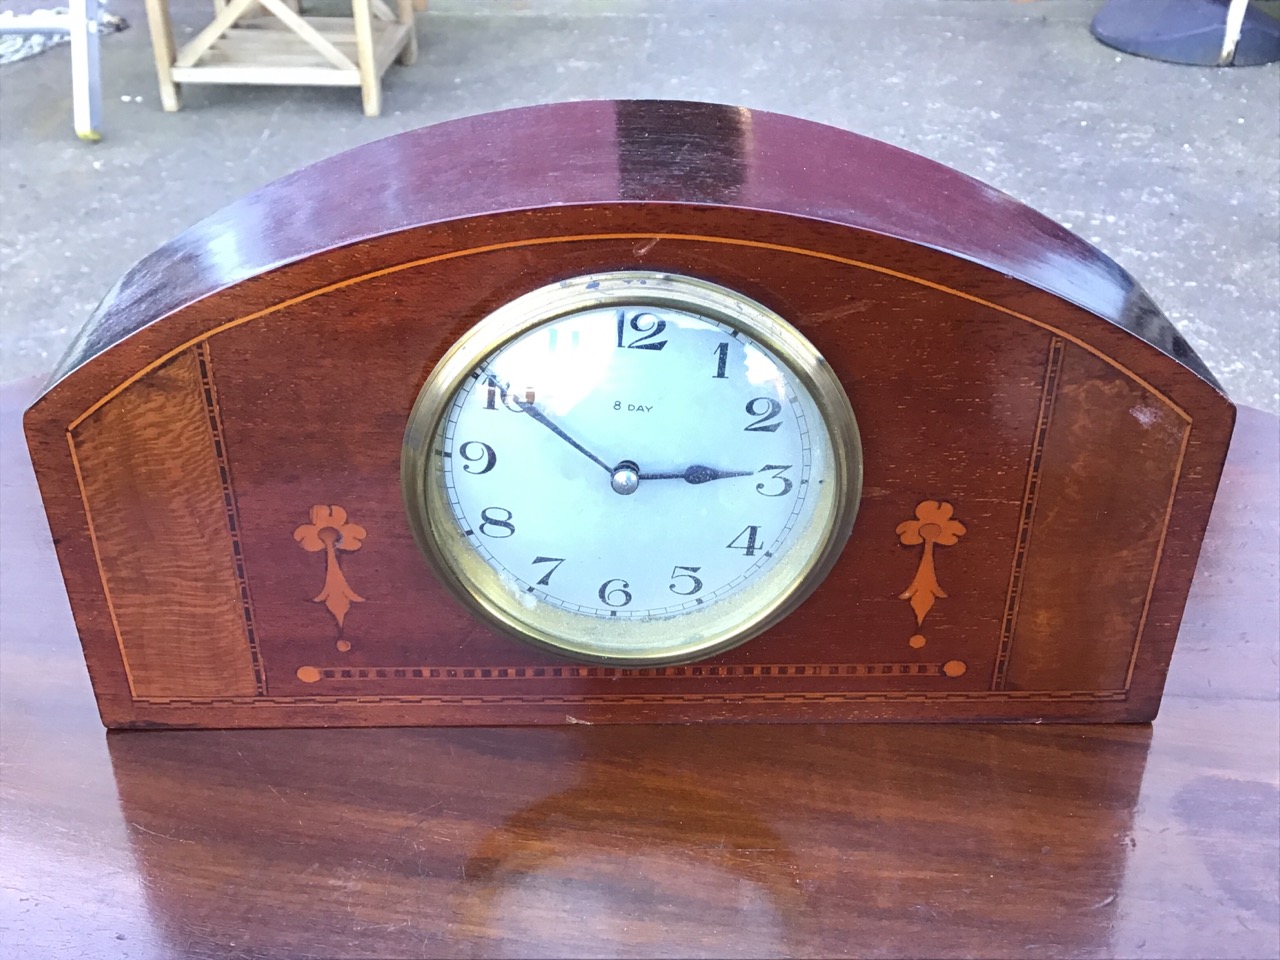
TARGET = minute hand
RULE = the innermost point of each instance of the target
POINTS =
(542, 418)
(697, 474)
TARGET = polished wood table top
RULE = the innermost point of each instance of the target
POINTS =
(715, 841)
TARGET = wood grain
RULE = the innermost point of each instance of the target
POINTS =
(1109, 465)
(803, 840)
(1007, 370)
(164, 548)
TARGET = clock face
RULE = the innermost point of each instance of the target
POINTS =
(632, 468)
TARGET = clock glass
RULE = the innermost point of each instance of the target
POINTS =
(632, 468)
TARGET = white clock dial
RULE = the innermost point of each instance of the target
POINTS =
(642, 469)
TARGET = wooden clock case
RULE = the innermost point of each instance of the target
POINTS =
(219, 451)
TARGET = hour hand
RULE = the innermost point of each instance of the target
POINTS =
(698, 473)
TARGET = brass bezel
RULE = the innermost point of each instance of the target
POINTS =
(783, 587)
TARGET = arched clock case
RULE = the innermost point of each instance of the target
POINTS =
(627, 412)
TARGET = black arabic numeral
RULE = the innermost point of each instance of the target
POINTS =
(500, 392)
(722, 361)
(470, 454)
(770, 411)
(777, 469)
(695, 587)
(546, 577)
(606, 594)
(751, 546)
(490, 517)
(647, 331)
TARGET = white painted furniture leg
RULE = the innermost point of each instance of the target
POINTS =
(80, 24)
(86, 88)
(1235, 23)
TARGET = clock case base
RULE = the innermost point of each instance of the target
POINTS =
(239, 399)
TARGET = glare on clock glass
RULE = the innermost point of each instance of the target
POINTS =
(632, 462)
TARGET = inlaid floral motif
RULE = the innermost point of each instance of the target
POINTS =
(330, 531)
(933, 525)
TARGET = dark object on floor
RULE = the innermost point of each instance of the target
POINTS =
(1187, 31)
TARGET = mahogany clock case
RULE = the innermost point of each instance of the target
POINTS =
(219, 452)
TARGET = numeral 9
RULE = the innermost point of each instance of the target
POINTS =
(473, 451)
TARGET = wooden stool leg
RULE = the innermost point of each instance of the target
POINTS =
(370, 82)
(162, 47)
(410, 51)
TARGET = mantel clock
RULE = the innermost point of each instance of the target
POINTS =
(634, 411)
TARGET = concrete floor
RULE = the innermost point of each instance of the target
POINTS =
(1174, 171)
